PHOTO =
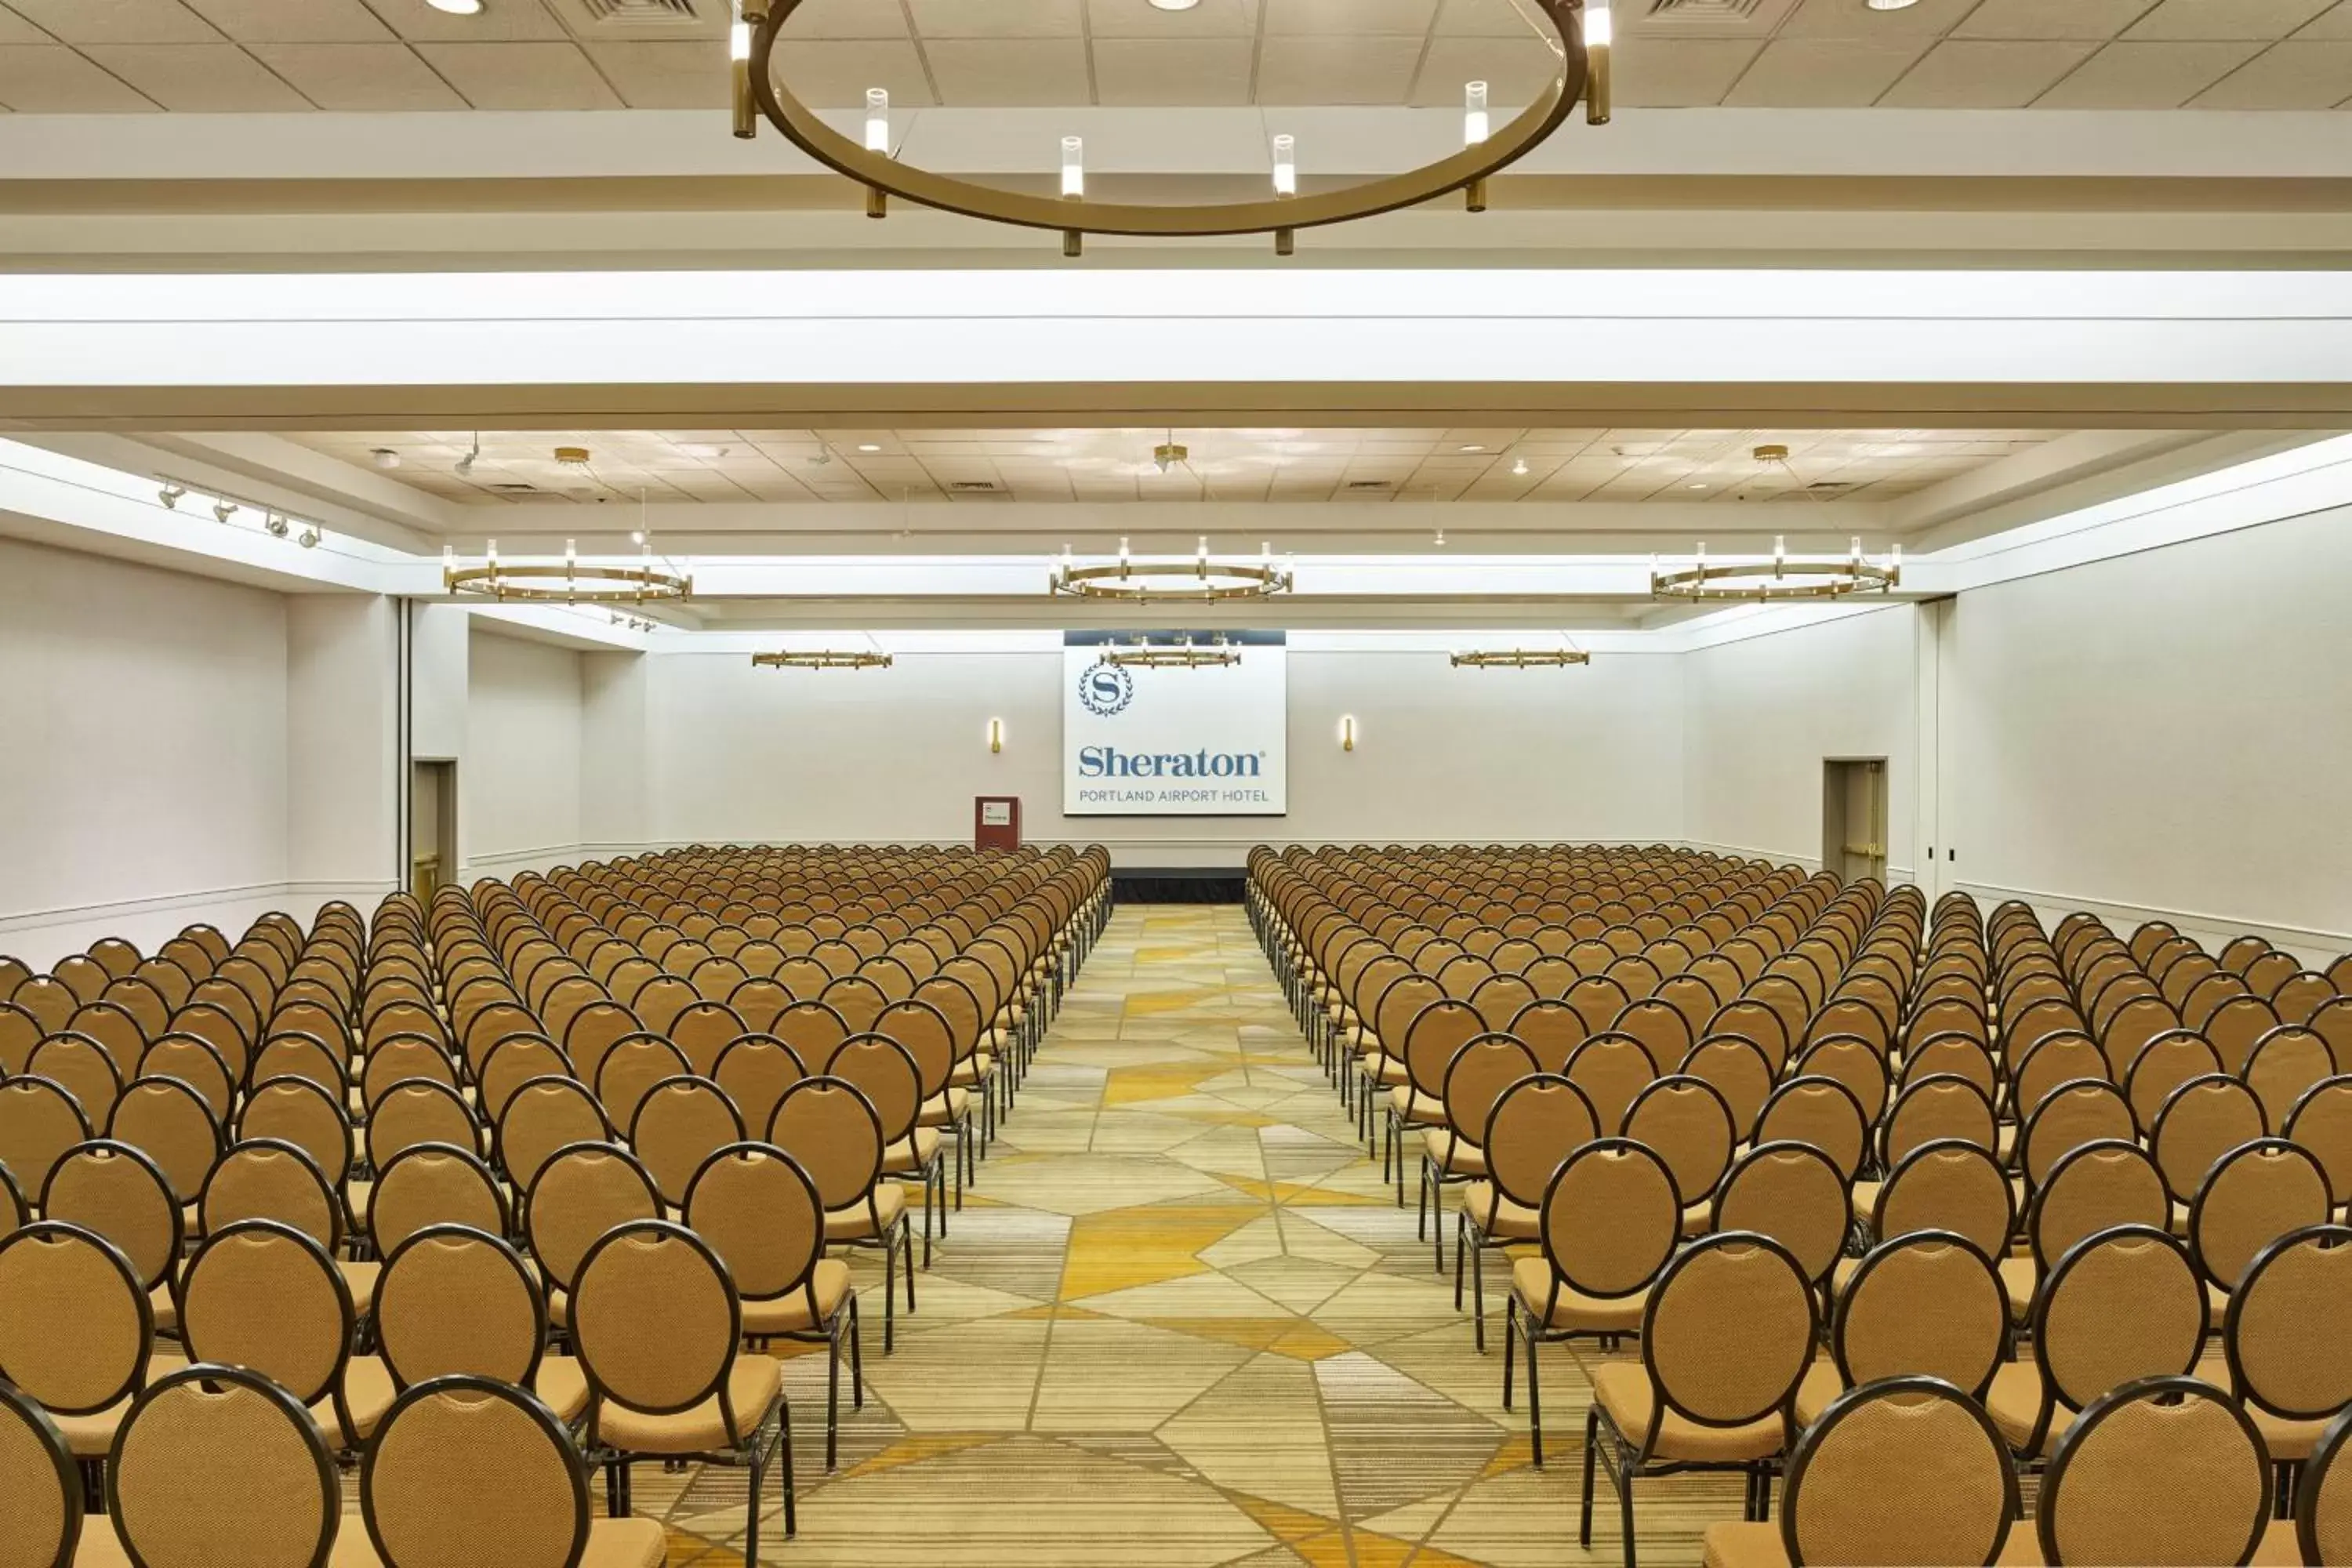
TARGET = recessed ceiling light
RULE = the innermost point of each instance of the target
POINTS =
(1173, 5)
(1699, 487)
(1471, 449)
(466, 7)
(867, 447)
(1891, 5)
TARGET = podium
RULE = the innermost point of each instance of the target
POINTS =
(996, 822)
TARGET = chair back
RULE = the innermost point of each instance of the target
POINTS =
(759, 1211)
(1729, 1331)
(2254, 1194)
(1937, 1109)
(2288, 1335)
(117, 1192)
(268, 1178)
(2160, 1470)
(298, 1112)
(39, 1121)
(1900, 1471)
(542, 1116)
(581, 1193)
(1474, 1080)
(434, 1183)
(40, 1480)
(1690, 1127)
(1794, 1193)
(679, 1122)
(1536, 1124)
(217, 1464)
(418, 1111)
(456, 1300)
(655, 1320)
(1927, 1303)
(1822, 1112)
(468, 1469)
(263, 1295)
(75, 1325)
(2203, 1119)
(1611, 1218)
(2123, 1304)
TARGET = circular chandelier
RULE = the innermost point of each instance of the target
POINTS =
(1576, 33)
(1199, 578)
(1181, 654)
(824, 659)
(569, 581)
(1522, 659)
(1779, 576)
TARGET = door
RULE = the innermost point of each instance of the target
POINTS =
(1853, 817)
(432, 826)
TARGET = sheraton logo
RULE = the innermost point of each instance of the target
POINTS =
(1110, 763)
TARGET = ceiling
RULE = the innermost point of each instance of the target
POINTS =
(365, 55)
(1421, 464)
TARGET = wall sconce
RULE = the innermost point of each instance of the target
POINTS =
(996, 734)
(1347, 732)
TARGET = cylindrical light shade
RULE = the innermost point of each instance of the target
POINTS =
(1285, 165)
(1597, 35)
(878, 120)
(1073, 166)
(1347, 732)
(1473, 113)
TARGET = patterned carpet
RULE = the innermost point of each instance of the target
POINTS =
(1181, 1322)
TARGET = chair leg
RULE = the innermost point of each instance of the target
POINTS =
(792, 1507)
(907, 1242)
(1625, 1509)
(856, 1360)
(1510, 1338)
(1420, 1210)
(890, 1294)
(1591, 1442)
(1534, 1392)
(1461, 1231)
(832, 1396)
(1478, 1289)
(752, 1508)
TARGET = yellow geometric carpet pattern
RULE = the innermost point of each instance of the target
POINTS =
(1181, 1322)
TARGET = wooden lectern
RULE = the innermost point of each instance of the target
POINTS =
(996, 822)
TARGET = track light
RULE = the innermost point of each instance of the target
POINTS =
(466, 464)
(310, 536)
(170, 496)
(275, 524)
(223, 510)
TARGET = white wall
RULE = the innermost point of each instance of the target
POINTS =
(518, 780)
(1762, 715)
(2169, 731)
(144, 774)
(342, 734)
(737, 752)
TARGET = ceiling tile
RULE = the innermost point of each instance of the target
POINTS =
(1651, 72)
(685, 74)
(1855, 19)
(2146, 74)
(520, 76)
(986, 72)
(1514, 70)
(294, 21)
(2334, 24)
(49, 78)
(995, 18)
(2226, 18)
(1350, 19)
(512, 21)
(2293, 75)
(115, 21)
(2051, 18)
(1822, 73)
(1210, 19)
(836, 73)
(211, 79)
(847, 19)
(1984, 73)
(358, 79)
(14, 29)
(1366, 69)
(1484, 19)
(1172, 70)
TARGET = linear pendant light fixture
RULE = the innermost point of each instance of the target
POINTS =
(1576, 33)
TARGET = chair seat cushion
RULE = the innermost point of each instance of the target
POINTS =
(1758, 1546)
(947, 1108)
(367, 1393)
(1821, 1384)
(361, 1277)
(2015, 1402)
(1451, 1155)
(1532, 1283)
(1414, 1109)
(753, 1385)
(1622, 1389)
(561, 1385)
(2017, 1281)
(913, 1152)
(974, 1071)
(2287, 1439)
(857, 1222)
(1496, 1217)
(789, 1313)
(101, 1548)
(91, 1436)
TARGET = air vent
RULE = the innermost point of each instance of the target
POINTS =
(514, 487)
(973, 487)
(1680, 10)
(1829, 487)
(1711, 19)
(645, 19)
(1371, 484)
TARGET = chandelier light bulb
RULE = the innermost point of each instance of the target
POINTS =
(1779, 553)
(1204, 548)
(1473, 113)
(1285, 165)
(1074, 167)
(878, 120)
(448, 559)
(1857, 550)
(1895, 562)
(571, 555)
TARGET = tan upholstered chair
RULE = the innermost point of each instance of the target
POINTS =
(1476, 1078)
(885, 1073)
(2095, 1187)
(456, 1300)
(217, 1464)
(1794, 1193)
(1726, 1335)
(74, 1329)
(582, 1191)
(1926, 1303)
(1905, 1470)
(433, 1183)
(419, 1112)
(468, 1469)
(630, 1069)
(115, 1191)
(829, 1126)
(39, 1121)
(1611, 1218)
(658, 1328)
(1822, 1112)
(172, 1125)
(542, 1117)
(39, 1479)
(1948, 1185)
(263, 1295)
(1536, 1124)
(2322, 1504)
(679, 1123)
(2253, 1194)
(2123, 1304)
(2161, 1471)
(762, 1215)
(1690, 1126)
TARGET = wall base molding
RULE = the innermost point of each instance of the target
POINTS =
(2316, 947)
(41, 937)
